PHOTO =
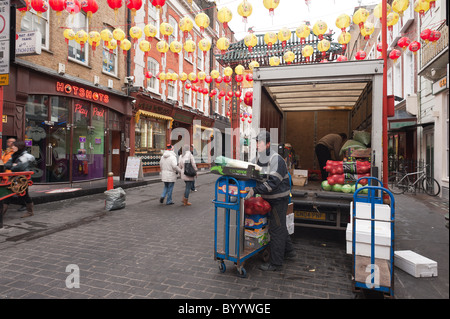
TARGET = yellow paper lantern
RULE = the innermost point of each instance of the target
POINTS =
(343, 22)
(125, 45)
(189, 47)
(94, 39)
(228, 71)
(289, 56)
(377, 11)
(183, 77)
(69, 34)
(245, 10)
(204, 45)
(185, 25)
(391, 20)
(223, 44)
(270, 38)
(162, 76)
(303, 31)
(271, 5)
(175, 47)
(367, 30)
(360, 17)
(323, 46)
(239, 69)
(135, 33)
(400, 6)
(201, 75)
(112, 46)
(307, 51)
(224, 15)
(421, 6)
(150, 31)
(118, 35)
(253, 64)
(166, 29)
(274, 61)
(144, 46)
(174, 76)
(202, 21)
(344, 39)
(250, 40)
(162, 47)
(284, 35)
(106, 36)
(214, 74)
(192, 77)
(319, 29)
(81, 37)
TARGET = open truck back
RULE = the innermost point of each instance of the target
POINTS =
(302, 103)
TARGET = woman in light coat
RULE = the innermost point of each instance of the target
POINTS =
(187, 157)
(169, 170)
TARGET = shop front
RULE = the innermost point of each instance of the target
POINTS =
(73, 130)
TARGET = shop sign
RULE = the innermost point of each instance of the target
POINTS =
(82, 92)
(81, 110)
(440, 85)
(28, 43)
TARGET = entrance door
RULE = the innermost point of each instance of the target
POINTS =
(47, 138)
(429, 155)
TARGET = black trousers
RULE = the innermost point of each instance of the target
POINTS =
(323, 155)
(280, 241)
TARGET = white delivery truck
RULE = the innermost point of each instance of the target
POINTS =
(301, 103)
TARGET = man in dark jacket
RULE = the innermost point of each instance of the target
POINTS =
(276, 190)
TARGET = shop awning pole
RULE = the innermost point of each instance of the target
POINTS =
(384, 124)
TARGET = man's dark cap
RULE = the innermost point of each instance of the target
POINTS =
(263, 136)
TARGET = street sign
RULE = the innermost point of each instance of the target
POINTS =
(28, 43)
(4, 40)
(4, 20)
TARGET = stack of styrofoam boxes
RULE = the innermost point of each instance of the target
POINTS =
(415, 264)
(364, 228)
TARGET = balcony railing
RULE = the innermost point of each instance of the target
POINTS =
(430, 50)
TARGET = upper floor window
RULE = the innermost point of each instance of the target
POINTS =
(153, 67)
(153, 17)
(32, 22)
(171, 90)
(187, 95)
(76, 23)
(109, 59)
(174, 24)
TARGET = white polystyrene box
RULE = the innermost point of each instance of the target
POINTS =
(363, 233)
(363, 249)
(415, 264)
(364, 210)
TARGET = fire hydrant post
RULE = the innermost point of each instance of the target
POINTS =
(110, 183)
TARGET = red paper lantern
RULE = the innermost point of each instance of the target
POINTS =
(237, 93)
(218, 79)
(341, 58)
(403, 43)
(249, 77)
(242, 119)
(248, 99)
(380, 47)
(40, 6)
(425, 34)
(56, 5)
(249, 121)
(239, 78)
(230, 94)
(158, 3)
(205, 91)
(115, 5)
(213, 92)
(148, 75)
(227, 79)
(134, 5)
(26, 8)
(187, 86)
(395, 54)
(72, 6)
(89, 6)
(360, 55)
(434, 36)
(208, 79)
(414, 47)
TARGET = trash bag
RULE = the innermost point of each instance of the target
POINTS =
(362, 137)
(115, 199)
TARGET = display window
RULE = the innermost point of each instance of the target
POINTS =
(150, 139)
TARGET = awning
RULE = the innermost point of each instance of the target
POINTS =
(411, 127)
(154, 115)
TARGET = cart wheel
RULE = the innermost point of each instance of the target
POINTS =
(222, 267)
(265, 255)
(242, 273)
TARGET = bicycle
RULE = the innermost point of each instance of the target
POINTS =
(400, 182)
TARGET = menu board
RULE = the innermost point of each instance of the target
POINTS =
(134, 168)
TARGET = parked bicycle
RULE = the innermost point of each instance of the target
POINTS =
(401, 182)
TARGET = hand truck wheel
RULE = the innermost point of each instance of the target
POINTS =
(242, 273)
(222, 267)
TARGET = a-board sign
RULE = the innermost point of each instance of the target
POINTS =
(134, 168)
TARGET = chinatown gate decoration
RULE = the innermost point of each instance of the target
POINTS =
(14, 184)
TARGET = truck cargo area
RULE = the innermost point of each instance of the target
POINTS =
(301, 104)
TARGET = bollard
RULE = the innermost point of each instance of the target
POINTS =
(110, 183)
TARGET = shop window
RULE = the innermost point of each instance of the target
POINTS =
(153, 67)
(109, 59)
(150, 140)
(31, 22)
(76, 53)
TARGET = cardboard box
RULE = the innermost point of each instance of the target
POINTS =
(256, 238)
(415, 264)
(360, 153)
(255, 221)
(299, 180)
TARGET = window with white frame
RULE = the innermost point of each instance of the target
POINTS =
(199, 101)
(187, 95)
(32, 22)
(153, 68)
(174, 24)
(76, 53)
(172, 88)
(153, 18)
(109, 59)
(188, 57)
(389, 81)
(224, 112)
(200, 59)
(408, 72)
(398, 83)
(216, 104)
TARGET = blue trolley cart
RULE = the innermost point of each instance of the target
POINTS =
(232, 193)
(369, 272)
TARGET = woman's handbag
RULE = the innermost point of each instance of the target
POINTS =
(189, 169)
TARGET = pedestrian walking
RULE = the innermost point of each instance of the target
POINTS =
(194, 152)
(275, 190)
(188, 172)
(169, 170)
(328, 148)
(20, 161)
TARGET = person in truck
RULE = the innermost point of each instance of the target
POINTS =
(329, 146)
(275, 190)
